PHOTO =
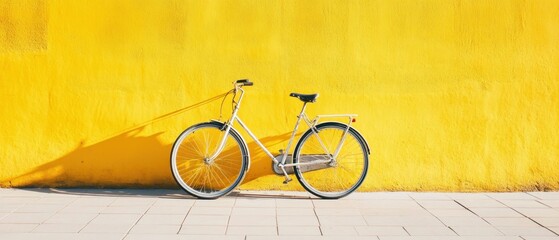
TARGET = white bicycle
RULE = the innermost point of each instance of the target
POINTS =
(330, 160)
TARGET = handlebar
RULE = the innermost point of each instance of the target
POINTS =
(243, 82)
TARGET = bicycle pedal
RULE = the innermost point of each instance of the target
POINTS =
(287, 180)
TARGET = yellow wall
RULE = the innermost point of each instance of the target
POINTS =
(452, 95)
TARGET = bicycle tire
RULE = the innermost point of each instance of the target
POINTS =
(342, 177)
(208, 179)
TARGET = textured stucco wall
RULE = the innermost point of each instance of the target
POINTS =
(452, 95)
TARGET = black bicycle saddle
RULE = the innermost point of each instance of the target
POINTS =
(305, 97)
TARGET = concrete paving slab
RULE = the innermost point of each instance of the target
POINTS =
(10, 207)
(106, 218)
(59, 228)
(168, 210)
(550, 203)
(247, 220)
(299, 231)
(481, 203)
(403, 221)
(24, 218)
(210, 211)
(545, 195)
(203, 230)
(539, 212)
(440, 204)
(294, 203)
(126, 209)
(394, 204)
(525, 231)
(255, 202)
(61, 236)
(464, 221)
(172, 202)
(476, 231)
(511, 196)
(107, 228)
(523, 203)
(468, 196)
(452, 213)
(416, 211)
(381, 231)
(342, 221)
(309, 211)
(206, 220)
(256, 211)
(305, 220)
(252, 230)
(511, 222)
(429, 196)
(337, 212)
(339, 230)
(430, 231)
(155, 229)
(539, 238)
(161, 219)
(495, 212)
(17, 228)
(71, 218)
(451, 238)
(548, 222)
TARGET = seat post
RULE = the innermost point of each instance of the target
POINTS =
(288, 147)
(302, 110)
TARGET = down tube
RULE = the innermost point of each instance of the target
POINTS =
(256, 139)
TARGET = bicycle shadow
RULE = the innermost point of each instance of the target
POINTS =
(129, 159)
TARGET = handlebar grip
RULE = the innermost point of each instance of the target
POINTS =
(244, 82)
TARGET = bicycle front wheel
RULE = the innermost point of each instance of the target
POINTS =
(331, 176)
(196, 173)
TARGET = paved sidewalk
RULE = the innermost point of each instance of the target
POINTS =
(170, 214)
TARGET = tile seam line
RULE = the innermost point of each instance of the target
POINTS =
(415, 200)
(503, 234)
(99, 213)
(556, 234)
(534, 196)
(317, 218)
(277, 220)
(89, 222)
(540, 201)
(137, 221)
(407, 230)
(184, 219)
(51, 215)
(230, 215)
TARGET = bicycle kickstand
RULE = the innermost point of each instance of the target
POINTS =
(287, 178)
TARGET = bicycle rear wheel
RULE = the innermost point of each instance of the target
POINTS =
(194, 172)
(340, 176)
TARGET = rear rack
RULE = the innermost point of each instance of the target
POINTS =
(351, 117)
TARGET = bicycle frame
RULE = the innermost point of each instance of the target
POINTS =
(281, 163)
